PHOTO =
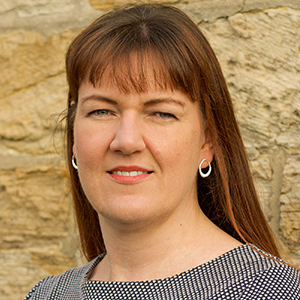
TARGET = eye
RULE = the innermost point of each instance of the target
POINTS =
(165, 116)
(99, 112)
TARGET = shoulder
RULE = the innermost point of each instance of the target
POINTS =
(63, 286)
(276, 282)
(268, 277)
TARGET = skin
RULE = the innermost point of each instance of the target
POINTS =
(152, 224)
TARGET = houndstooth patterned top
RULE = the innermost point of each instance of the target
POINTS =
(241, 273)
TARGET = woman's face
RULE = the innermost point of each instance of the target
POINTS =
(138, 154)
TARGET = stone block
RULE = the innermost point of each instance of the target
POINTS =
(33, 89)
(37, 236)
(21, 270)
(27, 58)
(29, 117)
(261, 168)
(29, 8)
(263, 4)
(290, 203)
(266, 99)
(40, 195)
(17, 274)
(13, 159)
(45, 16)
(259, 53)
(210, 10)
(109, 4)
(264, 192)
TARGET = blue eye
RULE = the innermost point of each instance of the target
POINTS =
(101, 112)
(164, 115)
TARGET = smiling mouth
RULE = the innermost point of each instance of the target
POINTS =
(131, 173)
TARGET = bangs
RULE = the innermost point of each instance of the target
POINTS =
(134, 58)
(135, 72)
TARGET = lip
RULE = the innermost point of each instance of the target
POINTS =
(129, 169)
(129, 179)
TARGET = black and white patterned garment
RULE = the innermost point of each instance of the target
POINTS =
(241, 273)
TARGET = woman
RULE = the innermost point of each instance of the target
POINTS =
(148, 107)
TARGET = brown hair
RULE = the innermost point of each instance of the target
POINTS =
(164, 39)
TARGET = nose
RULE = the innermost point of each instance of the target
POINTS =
(128, 138)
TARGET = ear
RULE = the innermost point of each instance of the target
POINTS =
(207, 150)
(73, 149)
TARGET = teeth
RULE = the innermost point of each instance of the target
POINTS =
(132, 173)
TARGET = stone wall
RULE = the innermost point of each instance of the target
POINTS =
(258, 44)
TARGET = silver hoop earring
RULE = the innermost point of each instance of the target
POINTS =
(209, 168)
(73, 162)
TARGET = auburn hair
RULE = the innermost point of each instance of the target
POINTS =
(167, 41)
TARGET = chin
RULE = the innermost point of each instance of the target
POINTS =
(127, 212)
(131, 220)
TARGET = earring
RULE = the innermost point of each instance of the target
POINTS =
(73, 162)
(200, 168)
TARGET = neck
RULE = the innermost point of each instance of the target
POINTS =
(147, 252)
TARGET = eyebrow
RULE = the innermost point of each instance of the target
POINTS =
(164, 100)
(147, 103)
(99, 98)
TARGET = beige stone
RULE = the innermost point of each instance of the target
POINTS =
(28, 118)
(37, 237)
(45, 16)
(33, 91)
(27, 58)
(104, 5)
(13, 159)
(210, 10)
(21, 270)
(25, 210)
(259, 54)
(30, 8)
(261, 168)
(266, 100)
(17, 273)
(290, 204)
(6, 6)
(264, 192)
(291, 185)
(263, 4)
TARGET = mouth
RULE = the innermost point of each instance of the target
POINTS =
(129, 173)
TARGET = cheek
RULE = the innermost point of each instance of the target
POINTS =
(179, 150)
(90, 142)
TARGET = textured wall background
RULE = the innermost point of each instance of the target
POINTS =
(258, 44)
